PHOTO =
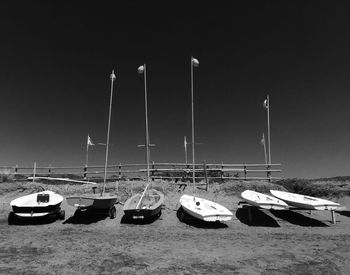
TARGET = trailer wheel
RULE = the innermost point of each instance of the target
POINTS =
(11, 218)
(181, 215)
(112, 212)
(62, 215)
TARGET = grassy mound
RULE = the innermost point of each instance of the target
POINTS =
(329, 187)
(234, 188)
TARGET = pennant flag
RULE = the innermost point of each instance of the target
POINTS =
(89, 141)
(266, 103)
(112, 76)
(195, 62)
(263, 139)
(141, 69)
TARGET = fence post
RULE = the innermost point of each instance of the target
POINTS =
(268, 172)
(50, 170)
(120, 170)
(245, 172)
(205, 175)
(222, 172)
(16, 169)
(34, 171)
(85, 172)
(152, 171)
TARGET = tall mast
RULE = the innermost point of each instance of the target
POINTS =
(192, 112)
(142, 69)
(112, 77)
(194, 62)
(185, 146)
(146, 125)
(268, 127)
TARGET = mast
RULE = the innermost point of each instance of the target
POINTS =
(194, 62)
(268, 127)
(264, 144)
(142, 69)
(112, 77)
(185, 146)
(87, 152)
(146, 125)
(192, 112)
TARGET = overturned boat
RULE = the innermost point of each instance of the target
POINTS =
(35, 205)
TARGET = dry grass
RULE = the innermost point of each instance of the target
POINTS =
(329, 188)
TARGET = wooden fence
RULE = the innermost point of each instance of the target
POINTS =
(177, 171)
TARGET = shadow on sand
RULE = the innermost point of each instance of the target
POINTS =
(297, 218)
(34, 221)
(86, 217)
(258, 217)
(128, 220)
(344, 213)
(189, 220)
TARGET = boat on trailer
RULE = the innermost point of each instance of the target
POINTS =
(263, 201)
(148, 204)
(94, 204)
(305, 202)
(41, 204)
(98, 203)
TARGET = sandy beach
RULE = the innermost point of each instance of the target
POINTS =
(275, 242)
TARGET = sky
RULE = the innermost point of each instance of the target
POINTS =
(56, 58)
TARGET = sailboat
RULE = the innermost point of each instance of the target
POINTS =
(263, 201)
(148, 204)
(305, 202)
(44, 203)
(194, 206)
(98, 203)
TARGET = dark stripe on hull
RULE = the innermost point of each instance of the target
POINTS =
(142, 213)
(36, 209)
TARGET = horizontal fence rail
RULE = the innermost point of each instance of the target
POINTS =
(176, 171)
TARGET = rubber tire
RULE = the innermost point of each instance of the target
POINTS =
(112, 212)
(182, 215)
(11, 218)
(62, 215)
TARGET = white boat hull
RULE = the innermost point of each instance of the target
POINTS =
(205, 210)
(305, 202)
(37, 205)
(263, 201)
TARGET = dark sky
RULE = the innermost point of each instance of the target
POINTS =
(56, 57)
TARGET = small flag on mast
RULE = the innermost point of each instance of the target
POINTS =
(112, 76)
(195, 62)
(141, 69)
(266, 103)
(263, 139)
(89, 141)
